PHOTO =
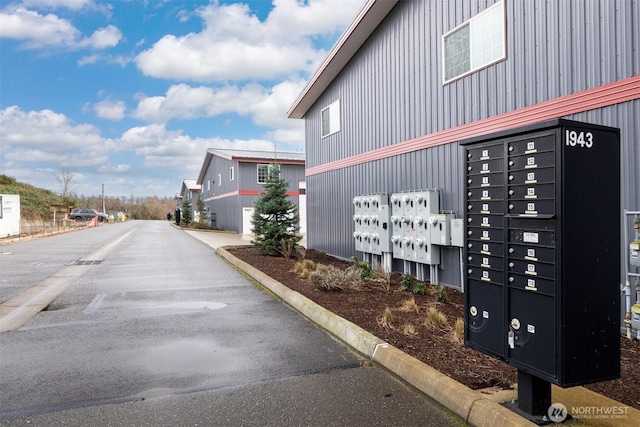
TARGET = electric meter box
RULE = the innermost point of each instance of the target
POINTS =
(634, 253)
(440, 226)
(542, 250)
(371, 223)
(457, 232)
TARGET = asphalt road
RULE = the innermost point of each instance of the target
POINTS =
(158, 330)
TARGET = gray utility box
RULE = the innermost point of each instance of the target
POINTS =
(542, 250)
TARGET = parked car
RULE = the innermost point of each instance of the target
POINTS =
(84, 214)
(103, 217)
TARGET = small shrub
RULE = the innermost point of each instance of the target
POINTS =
(409, 305)
(407, 282)
(441, 294)
(327, 278)
(457, 335)
(287, 247)
(386, 320)
(409, 330)
(304, 268)
(302, 251)
(365, 270)
(420, 288)
(435, 319)
(383, 277)
(330, 278)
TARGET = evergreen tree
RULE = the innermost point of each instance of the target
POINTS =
(185, 214)
(275, 219)
(202, 220)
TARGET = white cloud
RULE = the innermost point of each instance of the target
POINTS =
(103, 38)
(57, 4)
(110, 110)
(236, 46)
(37, 31)
(88, 60)
(267, 107)
(38, 143)
(185, 102)
(114, 169)
(45, 129)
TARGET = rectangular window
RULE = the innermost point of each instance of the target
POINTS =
(219, 179)
(331, 119)
(475, 44)
(208, 185)
(232, 175)
(263, 173)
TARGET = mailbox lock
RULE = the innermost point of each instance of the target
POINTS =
(515, 324)
(473, 310)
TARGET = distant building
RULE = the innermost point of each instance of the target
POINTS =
(232, 179)
(190, 191)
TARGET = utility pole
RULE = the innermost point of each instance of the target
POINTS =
(103, 211)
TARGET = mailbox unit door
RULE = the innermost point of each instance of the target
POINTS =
(542, 250)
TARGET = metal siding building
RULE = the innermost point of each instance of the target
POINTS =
(229, 181)
(400, 124)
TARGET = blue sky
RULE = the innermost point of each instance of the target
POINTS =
(131, 93)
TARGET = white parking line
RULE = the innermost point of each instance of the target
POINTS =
(95, 304)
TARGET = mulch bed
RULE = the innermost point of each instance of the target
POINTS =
(436, 346)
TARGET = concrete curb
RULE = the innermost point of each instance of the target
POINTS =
(471, 406)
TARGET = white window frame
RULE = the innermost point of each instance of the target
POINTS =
(480, 36)
(258, 167)
(266, 177)
(232, 173)
(332, 114)
(219, 179)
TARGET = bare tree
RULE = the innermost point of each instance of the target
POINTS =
(65, 176)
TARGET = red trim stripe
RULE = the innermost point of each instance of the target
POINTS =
(264, 161)
(590, 99)
(246, 193)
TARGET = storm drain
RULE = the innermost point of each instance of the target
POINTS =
(89, 262)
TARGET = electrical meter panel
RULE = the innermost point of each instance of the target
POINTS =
(371, 221)
(410, 228)
(542, 250)
(634, 253)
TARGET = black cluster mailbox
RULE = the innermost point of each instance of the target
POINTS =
(542, 250)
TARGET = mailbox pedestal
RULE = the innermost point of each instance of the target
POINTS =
(542, 252)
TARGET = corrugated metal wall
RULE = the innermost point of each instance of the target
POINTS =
(392, 91)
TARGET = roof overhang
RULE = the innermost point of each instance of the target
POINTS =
(364, 24)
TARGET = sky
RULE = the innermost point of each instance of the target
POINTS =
(130, 94)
